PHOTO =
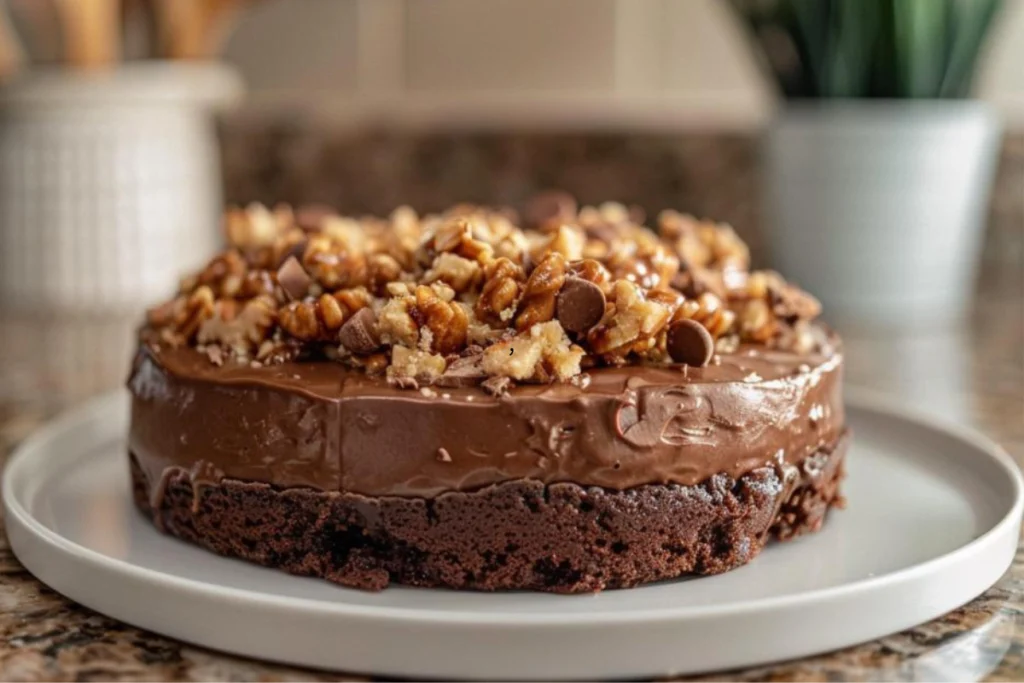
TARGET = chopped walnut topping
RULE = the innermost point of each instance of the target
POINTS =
(395, 324)
(566, 240)
(456, 236)
(708, 310)
(458, 273)
(331, 264)
(381, 269)
(414, 364)
(443, 323)
(542, 353)
(592, 271)
(541, 292)
(470, 297)
(196, 309)
(320, 319)
(631, 324)
(251, 227)
(500, 293)
(240, 329)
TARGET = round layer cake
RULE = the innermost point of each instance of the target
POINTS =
(457, 401)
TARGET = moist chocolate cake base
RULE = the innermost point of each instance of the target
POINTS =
(520, 534)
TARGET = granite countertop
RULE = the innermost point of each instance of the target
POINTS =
(973, 375)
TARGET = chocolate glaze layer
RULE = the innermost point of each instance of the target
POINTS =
(319, 425)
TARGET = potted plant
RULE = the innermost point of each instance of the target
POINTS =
(878, 167)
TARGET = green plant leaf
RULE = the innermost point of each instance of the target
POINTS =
(921, 28)
(870, 48)
(973, 19)
(847, 68)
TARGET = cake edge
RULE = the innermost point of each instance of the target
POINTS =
(519, 534)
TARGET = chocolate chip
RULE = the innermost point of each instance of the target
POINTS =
(549, 208)
(689, 342)
(359, 333)
(580, 304)
(463, 372)
(293, 278)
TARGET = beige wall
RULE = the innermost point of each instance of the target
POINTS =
(656, 63)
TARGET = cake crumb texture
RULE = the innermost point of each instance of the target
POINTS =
(520, 534)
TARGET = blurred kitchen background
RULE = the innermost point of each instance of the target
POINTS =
(871, 149)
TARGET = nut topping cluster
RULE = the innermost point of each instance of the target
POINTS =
(473, 296)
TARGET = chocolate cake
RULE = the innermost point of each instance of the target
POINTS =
(566, 401)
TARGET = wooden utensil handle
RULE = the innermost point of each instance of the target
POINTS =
(91, 32)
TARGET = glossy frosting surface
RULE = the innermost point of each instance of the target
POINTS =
(320, 425)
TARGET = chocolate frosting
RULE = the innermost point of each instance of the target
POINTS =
(320, 425)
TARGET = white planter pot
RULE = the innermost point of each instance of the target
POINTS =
(878, 208)
(109, 185)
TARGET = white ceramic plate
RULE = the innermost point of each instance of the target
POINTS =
(933, 520)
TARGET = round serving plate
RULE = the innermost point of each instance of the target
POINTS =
(932, 520)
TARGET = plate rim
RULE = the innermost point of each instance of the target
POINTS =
(856, 398)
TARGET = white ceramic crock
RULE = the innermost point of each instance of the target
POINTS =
(110, 188)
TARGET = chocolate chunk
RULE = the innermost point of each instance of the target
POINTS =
(311, 217)
(696, 281)
(297, 251)
(580, 304)
(359, 333)
(293, 278)
(689, 342)
(637, 214)
(463, 372)
(550, 208)
(603, 231)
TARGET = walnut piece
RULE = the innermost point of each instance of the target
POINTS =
(196, 309)
(708, 310)
(421, 366)
(320, 319)
(542, 354)
(252, 227)
(243, 329)
(503, 281)
(443, 323)
(332, 264)
(541, 292)
(458, 273)
(631, 324)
